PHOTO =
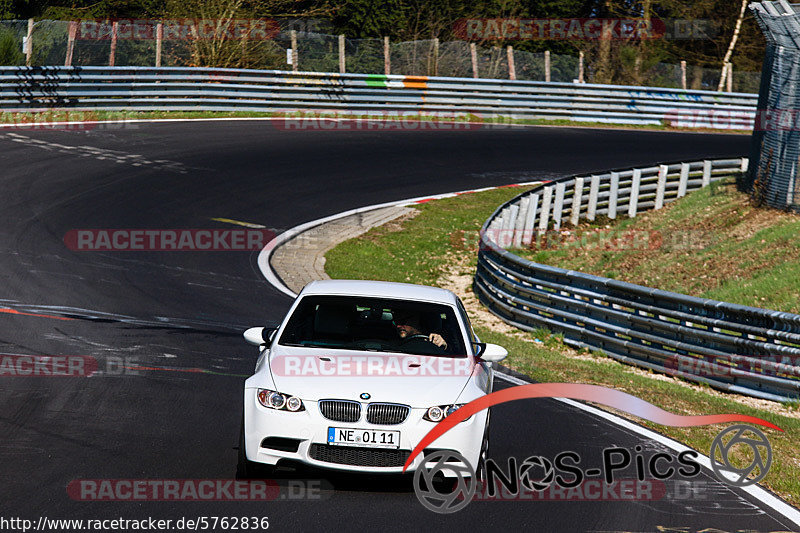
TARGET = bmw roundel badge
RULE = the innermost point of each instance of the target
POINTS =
(365, 396)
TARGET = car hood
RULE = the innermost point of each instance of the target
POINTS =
(417, 380)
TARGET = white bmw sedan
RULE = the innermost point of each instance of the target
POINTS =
(358, 373)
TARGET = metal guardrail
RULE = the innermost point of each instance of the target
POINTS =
(192, 89)
(732, 347)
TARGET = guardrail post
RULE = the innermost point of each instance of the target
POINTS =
(580, 68)
(512, 71)
(112, 55)
(662, 186)
(72, 31)
(508, 226)
(612, 195)
(295, 54)
(497, 227)
(519, 224)
(159, 42)
(435, 56)
(341, 54)
(684, 180)
(473, 54)
(683, 74)
(387, 58)
(547, 65)
(706, 173)
(29, 43)
(745, 164)
(544, 216)
(530, 220)
(558, 208)
(594, 192)
(729, 79)
(577, 198)
(634, 201)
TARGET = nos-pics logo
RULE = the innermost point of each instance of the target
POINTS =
(741, 455)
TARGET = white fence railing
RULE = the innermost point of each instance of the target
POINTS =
(610, 194)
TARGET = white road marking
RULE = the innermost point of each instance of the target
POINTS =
(760, 494)
(239, 223)
(100, 154)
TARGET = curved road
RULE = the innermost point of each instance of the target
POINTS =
(184, 310)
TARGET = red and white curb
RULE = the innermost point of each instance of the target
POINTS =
(266, 254)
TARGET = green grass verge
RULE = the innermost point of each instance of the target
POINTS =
(442, 236)
(73, 115)
(713, 244)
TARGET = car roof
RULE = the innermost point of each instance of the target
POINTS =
(379, 289)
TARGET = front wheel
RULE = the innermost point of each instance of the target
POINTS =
(484, 454)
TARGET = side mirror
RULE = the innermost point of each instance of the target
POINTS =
(259, 336)
(492, 353)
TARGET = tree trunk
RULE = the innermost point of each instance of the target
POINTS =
(731, 46)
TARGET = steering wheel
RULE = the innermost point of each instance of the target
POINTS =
(417, 337)
(422, 344)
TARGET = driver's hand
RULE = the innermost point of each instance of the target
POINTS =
(438, 340)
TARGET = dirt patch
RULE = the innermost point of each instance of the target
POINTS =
(459, 276)
(396, 224)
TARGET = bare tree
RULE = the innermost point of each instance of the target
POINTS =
(223, 47)
(732, 45)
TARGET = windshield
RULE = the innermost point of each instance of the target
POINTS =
(374, 324)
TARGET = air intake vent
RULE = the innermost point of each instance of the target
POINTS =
(359, 456)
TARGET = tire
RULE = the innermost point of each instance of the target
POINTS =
(480, 474)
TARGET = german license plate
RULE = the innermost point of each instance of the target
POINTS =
(367, 438)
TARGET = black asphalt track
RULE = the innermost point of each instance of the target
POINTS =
(185, 310)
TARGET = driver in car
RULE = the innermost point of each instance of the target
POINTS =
(408, 326)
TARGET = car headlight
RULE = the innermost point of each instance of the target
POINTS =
(437, 413)
(278, 401)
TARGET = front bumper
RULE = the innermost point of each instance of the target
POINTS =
(309, 430)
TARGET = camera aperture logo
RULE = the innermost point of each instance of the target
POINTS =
(452, 498)
(727, 455)
(740, 455)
